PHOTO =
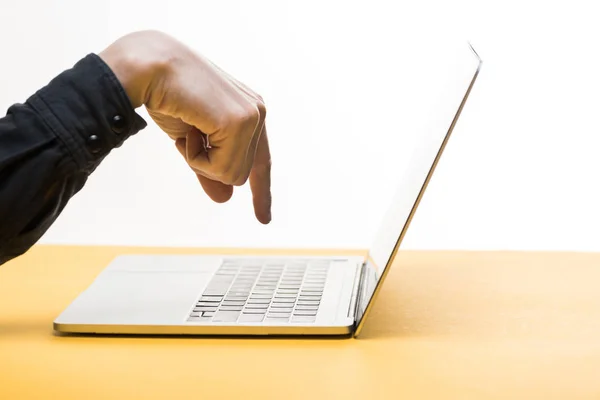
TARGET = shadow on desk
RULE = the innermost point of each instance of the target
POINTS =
(23, 328)
(489, 295)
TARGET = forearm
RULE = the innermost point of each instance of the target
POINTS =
(52, 143)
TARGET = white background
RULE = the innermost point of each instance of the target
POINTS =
(521, 171)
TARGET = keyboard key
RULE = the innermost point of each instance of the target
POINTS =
(258, 301)
(282, 305)
(305, 312)
(206, 304)
(285, 296)
(216, 299)
(251, 318)
(246, 288)
(255, 311)
(257, 306)
(208, 314)
(303, 307)
(236, 298)
(311, 298)
(284, 300)
(262, 295)
(231, 308)
(226, 316)
(307, 303)
(281, 310)
(199, 309)
(232, 303)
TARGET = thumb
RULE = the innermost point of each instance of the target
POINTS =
(217, 191)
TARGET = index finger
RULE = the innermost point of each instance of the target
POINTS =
(260, 179)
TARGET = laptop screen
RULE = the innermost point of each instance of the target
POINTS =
(455, 74)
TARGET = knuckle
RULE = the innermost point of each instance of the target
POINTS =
(244, 119)
(262, 109)
(249, 115)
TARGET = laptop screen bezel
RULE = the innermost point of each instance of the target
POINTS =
(369, 263)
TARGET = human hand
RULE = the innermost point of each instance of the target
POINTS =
(193, 100)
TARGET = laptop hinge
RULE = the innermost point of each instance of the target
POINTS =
(356, 293)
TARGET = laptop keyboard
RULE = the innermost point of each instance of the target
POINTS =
(255, 291)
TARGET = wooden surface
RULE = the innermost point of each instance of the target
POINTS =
(447, 325)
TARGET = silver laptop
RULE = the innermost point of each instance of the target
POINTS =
(292, 295)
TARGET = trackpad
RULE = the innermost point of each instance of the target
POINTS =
(128, 297)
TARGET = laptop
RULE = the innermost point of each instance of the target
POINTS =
(249, 295)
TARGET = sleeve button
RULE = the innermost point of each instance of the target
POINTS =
(118, 124)
(94, 144)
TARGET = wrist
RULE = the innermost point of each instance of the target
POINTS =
(133, 68)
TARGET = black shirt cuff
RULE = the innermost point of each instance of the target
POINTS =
(88, 110)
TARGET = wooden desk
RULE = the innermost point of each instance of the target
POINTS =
(447, 325)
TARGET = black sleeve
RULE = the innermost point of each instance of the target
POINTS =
(50, 145)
